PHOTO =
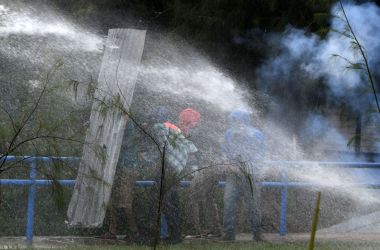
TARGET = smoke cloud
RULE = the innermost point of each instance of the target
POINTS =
(309, 56)
(301, 60)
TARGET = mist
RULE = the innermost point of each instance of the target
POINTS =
(176, 74)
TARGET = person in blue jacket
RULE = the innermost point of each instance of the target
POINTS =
(244, 148)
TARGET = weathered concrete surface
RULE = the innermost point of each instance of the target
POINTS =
(116, 83)
(298, 238)
(369, 223)
(50, 242)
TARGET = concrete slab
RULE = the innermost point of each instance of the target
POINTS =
(367, 224)
(51, 242)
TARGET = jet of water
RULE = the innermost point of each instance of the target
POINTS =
(31, 22)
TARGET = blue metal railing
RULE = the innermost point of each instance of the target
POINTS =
(32, 182)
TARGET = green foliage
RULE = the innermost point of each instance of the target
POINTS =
(358, 48)
(45, 118)
(352, 140)
(315, 222)
(40, 119)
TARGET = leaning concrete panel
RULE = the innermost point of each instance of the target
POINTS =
(116, 83)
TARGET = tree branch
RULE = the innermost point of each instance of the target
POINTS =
(362, 52)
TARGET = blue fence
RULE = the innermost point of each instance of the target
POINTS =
(284, 185)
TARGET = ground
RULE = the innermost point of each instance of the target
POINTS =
(271, 242)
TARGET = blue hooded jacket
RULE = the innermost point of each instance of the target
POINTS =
(242, 141)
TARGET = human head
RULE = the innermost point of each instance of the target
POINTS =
(239, 117)
(188, 118)
(160, 114)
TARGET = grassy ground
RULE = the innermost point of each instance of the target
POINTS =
(272, 242)
(243, 246)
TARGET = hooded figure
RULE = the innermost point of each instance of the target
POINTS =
(148, 154)
(244, 147)
(160, 114)
(127, 172)
(242, 141)
(177, 148)
(188, 118)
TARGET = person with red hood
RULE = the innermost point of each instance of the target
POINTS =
(177, 147)
(174, 139)
(188, 119)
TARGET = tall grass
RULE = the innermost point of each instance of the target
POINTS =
(315, 222)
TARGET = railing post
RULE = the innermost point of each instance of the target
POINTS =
(31, 203)
(284, 203)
